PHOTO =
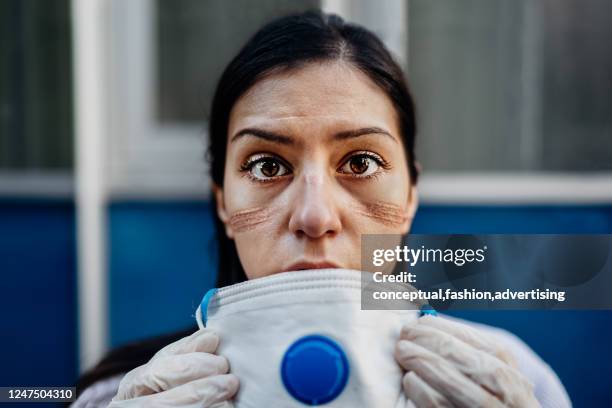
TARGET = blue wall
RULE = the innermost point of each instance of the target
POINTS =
(161, 262)
(38, 314)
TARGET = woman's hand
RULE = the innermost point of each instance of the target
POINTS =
(449, 364)
(185, 373)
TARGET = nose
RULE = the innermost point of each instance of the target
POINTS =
(315, 211)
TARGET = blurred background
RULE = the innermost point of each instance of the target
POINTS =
(105, 215)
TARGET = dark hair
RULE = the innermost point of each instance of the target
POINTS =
(288, 43)
(283, 44)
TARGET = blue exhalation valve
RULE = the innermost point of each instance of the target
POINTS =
(315, 370)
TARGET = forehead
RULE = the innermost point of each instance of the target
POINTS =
(330, 94)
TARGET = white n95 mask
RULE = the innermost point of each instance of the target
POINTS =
(300, 338)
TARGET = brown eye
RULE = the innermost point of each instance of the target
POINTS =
(361, 165)
(267, 168)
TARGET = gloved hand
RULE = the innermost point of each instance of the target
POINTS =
(182, 374)
(449, 364)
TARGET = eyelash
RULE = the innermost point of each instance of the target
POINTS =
(385, 165)
(247, 166)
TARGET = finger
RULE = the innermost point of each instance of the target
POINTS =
(404, 402)
(473, 337)
(168, 372)
(205, 341)
(489, 372)
(205, 391)
(201, 393)
(442, 376)
(421, 393)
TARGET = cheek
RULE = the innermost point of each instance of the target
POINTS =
(249, 254)
(389, 189)
(255, 217)
(254, 210)
(262, 249)
(250, 219)
(257, 234)
(382, 206)
(387, 214)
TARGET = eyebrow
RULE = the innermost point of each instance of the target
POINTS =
(264, 134)
(287, 140)
(350, 134)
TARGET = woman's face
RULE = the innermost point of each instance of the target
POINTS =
(314, 160)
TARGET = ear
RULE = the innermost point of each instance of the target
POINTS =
(411, 207)
(221, 210)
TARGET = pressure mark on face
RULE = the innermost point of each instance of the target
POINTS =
(246, 220)
(391, 215)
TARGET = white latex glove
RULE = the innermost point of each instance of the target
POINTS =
(449, 364)
(185, 373)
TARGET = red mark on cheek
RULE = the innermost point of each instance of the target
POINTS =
(388, 214)
(246, 220)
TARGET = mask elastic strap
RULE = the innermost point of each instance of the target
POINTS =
(427, 310)
(202, 311)
(198, 316)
